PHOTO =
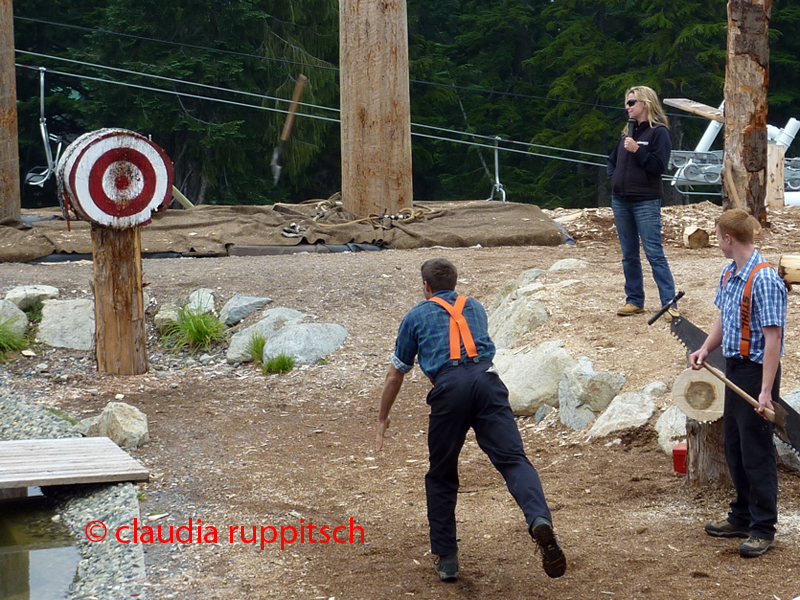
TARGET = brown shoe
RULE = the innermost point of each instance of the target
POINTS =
(754, 547)
(725, 529)
(629, 309)
(672, 313)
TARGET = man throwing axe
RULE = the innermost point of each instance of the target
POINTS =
(448, 334)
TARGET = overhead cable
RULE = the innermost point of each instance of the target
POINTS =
(331, 67)
(228, 90)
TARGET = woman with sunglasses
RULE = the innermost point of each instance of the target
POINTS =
(635, 168)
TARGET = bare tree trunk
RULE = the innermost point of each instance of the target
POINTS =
(375, 104)
(746, 81)
(9, 143)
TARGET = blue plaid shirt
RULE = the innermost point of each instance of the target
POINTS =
(768, 307)
(425, 333)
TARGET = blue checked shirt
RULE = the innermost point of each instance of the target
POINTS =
(425, 333)
(768, 307)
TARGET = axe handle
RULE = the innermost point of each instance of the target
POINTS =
(716, 372)
(298, 91)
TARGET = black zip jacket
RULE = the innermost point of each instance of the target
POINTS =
(637, 176)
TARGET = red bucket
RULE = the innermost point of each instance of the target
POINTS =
(679, 457)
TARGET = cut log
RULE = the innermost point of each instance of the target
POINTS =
(705, 455)
(789, 269)
(694, 237)
(775, 176)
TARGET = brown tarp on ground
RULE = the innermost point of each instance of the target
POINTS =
(218, 230)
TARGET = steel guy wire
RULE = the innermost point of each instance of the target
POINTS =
(252, 94)
(327, 66)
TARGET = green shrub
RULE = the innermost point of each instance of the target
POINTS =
(193, 331)
(10, 340)
(255, 348)
(34, 312)
(283, 363)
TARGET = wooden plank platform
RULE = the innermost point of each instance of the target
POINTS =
(66, 461)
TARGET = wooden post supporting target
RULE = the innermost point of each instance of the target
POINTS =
(116, 179)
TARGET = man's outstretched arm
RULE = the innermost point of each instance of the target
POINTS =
(391, 388)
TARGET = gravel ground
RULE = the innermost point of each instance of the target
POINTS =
(107, 569)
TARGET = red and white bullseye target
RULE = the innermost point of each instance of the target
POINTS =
(115, 178)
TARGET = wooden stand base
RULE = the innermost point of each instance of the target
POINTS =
(119, 302)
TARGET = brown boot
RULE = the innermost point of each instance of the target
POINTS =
(629, 309)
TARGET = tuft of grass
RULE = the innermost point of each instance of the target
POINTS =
(322, 361)
(255, 348)
(34, 312)
(282, 363)
(193, 331)
(63, 415)
(10, 340)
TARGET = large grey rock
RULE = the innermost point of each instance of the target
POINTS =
(786, 456)
(201, 301)
(126, 425)
(67, 324)
(532, 377)
(671, 429)
(569, 264)
(13, 318)
(238, 307)
(307, 343)
(274, 319)
(25, 296)
(168, 313)
(628, 410)
(516, 315)
(583, 393)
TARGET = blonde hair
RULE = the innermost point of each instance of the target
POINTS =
(648, 97)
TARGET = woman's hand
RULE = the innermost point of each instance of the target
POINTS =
(631, 145)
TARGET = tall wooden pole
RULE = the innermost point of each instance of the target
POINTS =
(375, 105)
(9, 144)
(746, 82)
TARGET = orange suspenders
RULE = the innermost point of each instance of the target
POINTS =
(744, 343)
(459, 330)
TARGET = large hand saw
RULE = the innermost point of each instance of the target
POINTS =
(786, 418)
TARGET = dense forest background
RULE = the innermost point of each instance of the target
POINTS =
(206, 79)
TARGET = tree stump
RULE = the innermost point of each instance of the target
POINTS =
(705, 455)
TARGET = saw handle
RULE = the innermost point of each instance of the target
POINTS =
(716, 373)
(298, 91)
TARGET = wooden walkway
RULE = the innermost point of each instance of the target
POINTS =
(66, 461)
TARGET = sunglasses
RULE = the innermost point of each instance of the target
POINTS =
(631, 102)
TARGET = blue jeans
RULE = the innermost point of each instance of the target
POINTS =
(637, 220)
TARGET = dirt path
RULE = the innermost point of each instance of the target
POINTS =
(233, 448)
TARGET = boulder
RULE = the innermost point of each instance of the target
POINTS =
(126, 425)
(201, 302)
(166, 314)
(583, 393)
(671, 429)
(67, 324)
(631, 409)
(568, 264)
(239, 306)
(13, 318)
(532, 377)
(786, 456)
(307, 343)
(516, 315)
(274, 319)
(25, 296)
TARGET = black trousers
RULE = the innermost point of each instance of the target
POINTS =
(750, 452)
(465, 396)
